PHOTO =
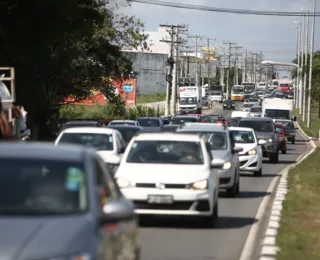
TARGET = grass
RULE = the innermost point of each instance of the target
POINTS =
(150, 99)
(299, 234)
(313, 131)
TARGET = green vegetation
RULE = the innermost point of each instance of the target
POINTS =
(65, 48)
(150, 99)
(299, 236)
(313, 131)
(107, 111)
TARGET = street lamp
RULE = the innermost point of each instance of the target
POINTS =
(278, 63)
(311, 63)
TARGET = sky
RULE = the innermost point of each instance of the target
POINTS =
(274, 35)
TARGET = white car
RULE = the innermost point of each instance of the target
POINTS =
(124, 122)
(256, 111)
(170, 174)
(251, 156)
(108, 142)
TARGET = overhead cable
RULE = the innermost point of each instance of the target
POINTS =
(223, 10)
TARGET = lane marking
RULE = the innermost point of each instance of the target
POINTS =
(250, 243)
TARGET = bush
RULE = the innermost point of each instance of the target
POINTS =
(107, 111)
(150, 99)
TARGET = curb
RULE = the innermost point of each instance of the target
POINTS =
(269, 248)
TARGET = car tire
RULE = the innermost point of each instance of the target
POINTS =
(258, 173)
(238, 185)
(274, 157)
(284, 151)
(293, 141)
(232, 192)
(211, 220)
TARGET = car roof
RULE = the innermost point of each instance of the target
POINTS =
(256, 119)
(168, 136)
(235, 128)
(81, 122)
(90, 130)
(124, 127)
(204, 126)
(119, 120)
(45, 151)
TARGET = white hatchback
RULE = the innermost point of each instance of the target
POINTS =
(251, 156)
(170, 174)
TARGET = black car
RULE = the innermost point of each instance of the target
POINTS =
(229, 104)
(178, 120)
(265, 130)
(127, 131)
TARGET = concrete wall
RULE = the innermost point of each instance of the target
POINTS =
(151, 69)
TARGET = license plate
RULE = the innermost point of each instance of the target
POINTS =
(160, 199)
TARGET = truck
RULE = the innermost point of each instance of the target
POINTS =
(215, 93)
(190, 99)
(278, 109)
(284, 86)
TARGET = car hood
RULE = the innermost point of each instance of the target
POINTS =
(264, 135)
(110, 156)
(246, 147)
(44, 237)
(167, 173)
(221, 154)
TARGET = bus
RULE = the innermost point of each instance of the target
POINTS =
(237, 93)
(249, 87)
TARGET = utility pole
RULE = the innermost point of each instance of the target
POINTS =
(302, 64)
(230, 44)
(171, 63)
(305, 69)
(208, 46)
(244, 68)
(236, 69)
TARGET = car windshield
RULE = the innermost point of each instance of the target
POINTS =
(216, 140)
(257, 125)
(165, 152)
(242, 137)
(237, 91)
(127, 133)
(42, 187)
(149, 122)
(277, 113)
(121, 123)
(228, 102)
(256, 110)
(101, 142)
(183, 119)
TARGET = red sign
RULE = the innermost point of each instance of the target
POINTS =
(127, 90)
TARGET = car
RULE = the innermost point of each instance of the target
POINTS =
(170, 128)
(127, 131)
(80, 123)
(151, 124)
(108, 142)
(290, 129)
(124, 122)
(63, 194)
(229, 104)
(171, 174)
(254, 101)
(166, 120)
(256, 111)
(261, 93)
(178, 120)
(251, 156)
(265, 130)
(282, 140)
(221, 146)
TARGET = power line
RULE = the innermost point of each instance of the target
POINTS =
(223, 10)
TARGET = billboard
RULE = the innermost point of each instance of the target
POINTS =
(126, 88)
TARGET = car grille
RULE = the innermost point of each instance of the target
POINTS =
(166, 186)
(202, 205)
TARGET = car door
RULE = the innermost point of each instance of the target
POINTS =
(121, 237)
(259, 147)
(234, 156)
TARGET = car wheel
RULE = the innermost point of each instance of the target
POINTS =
(232, 192)
(284, 151)
(211, 220)
(274, 157)
(293, 141)
(238, 185)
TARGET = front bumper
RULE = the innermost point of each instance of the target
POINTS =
(268, 149)
(185, 202)
(226, 178)
(249, 163)
(228, 107)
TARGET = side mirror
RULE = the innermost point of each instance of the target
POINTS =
(122, 150)
(217, 163)
(237, 149)
(117, 210)
(262, 142)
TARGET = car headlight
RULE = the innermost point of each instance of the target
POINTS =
(270, 140)
(224, 105)
(226, 166)
(73, 257)
(122, 183)
(199, 185)
(251, 152)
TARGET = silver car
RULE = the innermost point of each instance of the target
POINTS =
(219, 139)
(256, 111)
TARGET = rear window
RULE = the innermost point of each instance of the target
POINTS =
(257, 125)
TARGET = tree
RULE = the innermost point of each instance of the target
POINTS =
(62, 48)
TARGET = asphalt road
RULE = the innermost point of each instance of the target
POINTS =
(175, 239)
